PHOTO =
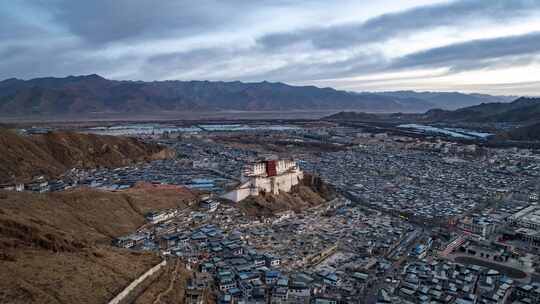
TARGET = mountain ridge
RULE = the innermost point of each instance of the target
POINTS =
(521, 110)
(96, 94)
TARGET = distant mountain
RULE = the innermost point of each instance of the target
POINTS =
(524, 112)
(353, 116)
(521, 110)
(449, 100)
(95, 94)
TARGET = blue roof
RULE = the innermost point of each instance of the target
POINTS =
(272, 273)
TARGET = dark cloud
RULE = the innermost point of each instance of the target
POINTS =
(116, 38)
(220, 58)
(474, 54)
(48, 61)
(471, 55)
(392, 25)
(102, 21)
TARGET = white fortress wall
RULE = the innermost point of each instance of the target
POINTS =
(240, 193)
(283, 182)
(255, 180)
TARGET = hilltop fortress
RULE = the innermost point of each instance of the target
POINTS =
(270, 176)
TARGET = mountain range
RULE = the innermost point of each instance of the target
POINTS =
(95, 94)
(523, 114)
(522, 110)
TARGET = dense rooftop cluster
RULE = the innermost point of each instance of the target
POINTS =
(417, 220)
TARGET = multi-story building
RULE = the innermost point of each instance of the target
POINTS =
(156, 217)
(481, 226)
(270, 176)
(209, 204)
(527, 218)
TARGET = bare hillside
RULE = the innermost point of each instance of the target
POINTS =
(55, 247)
(312, 191)
(51, 154)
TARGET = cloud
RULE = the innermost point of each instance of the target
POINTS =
(501, 52)
(275, 40)
(13, 27)
(474, 54)
(185, 63)
(47, 60)
(105, 21)
(387, 26)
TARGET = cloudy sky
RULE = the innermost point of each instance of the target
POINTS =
(490, 46)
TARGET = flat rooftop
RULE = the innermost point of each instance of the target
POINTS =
(530, 214)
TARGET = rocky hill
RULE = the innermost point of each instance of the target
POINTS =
(79, 95)
(54, 248)
(312, 191)
(51, 154)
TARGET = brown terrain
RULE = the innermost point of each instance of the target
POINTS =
(55, 247)
(52, 154)
(168, 286)
(312, 191)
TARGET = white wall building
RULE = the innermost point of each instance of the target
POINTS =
(270, 176)
(156, 217)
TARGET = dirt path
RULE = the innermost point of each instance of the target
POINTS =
(120, 297)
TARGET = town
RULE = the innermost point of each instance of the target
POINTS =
(413, 220)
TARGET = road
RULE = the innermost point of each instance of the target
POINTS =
(379, 282)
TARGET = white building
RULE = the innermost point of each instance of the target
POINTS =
(209, 204)
(160, 216)
(12, 187)
(270, 176)
(481, 226)
(527, 218)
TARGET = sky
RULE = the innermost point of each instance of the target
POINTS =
(485, 46)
